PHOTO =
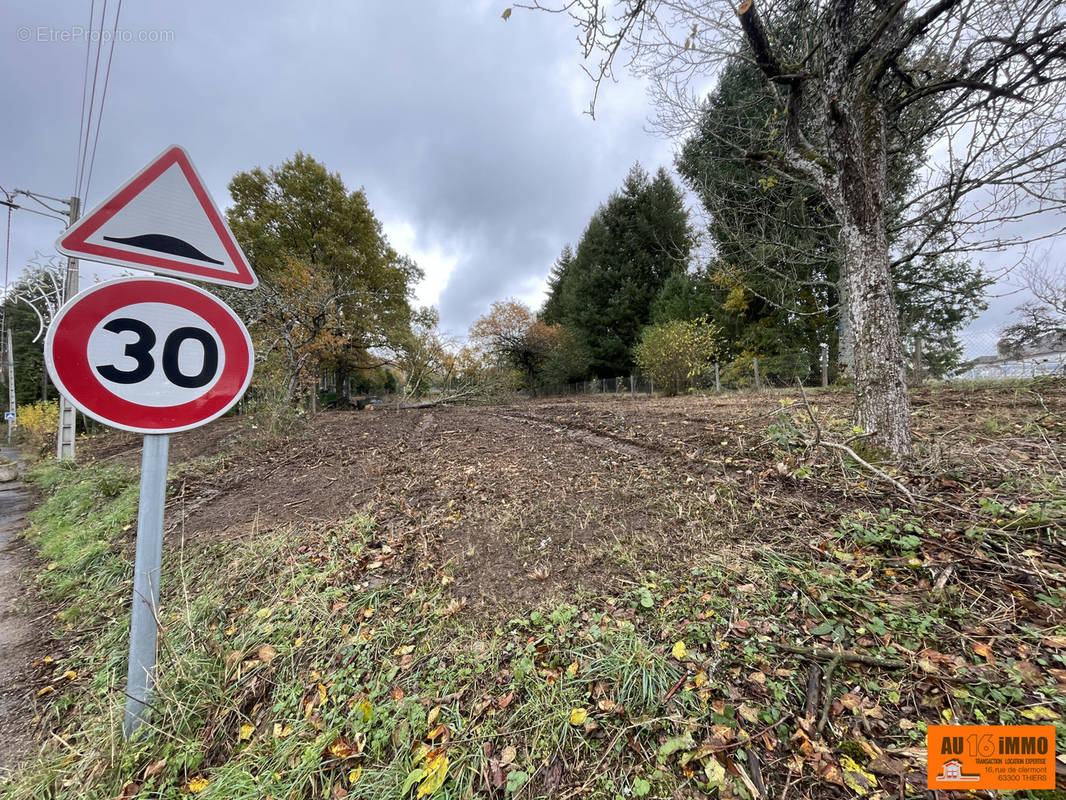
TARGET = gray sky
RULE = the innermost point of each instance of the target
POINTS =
(467, 132)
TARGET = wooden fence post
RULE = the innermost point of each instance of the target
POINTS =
(755, 364)
(717, 382)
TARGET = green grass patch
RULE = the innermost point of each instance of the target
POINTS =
(290, 668)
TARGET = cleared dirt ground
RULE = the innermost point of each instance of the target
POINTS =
(540, 499)
(837, 605)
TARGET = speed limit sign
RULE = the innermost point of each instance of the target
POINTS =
(150, 355)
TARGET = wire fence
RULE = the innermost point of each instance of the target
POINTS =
(986, 357)
(982, 357)
(741, 374)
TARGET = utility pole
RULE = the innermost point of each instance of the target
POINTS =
(67, 412)
(10, 386)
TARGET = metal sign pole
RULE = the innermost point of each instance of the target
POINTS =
(144, 628)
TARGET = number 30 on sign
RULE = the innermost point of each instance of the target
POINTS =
(150, 355)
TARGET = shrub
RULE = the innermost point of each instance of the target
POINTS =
(672, 353)
(37, 425)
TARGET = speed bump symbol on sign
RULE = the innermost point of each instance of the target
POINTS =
(149, 355)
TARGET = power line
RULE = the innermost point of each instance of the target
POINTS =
(92, 96)
(84, 91)
(17, 207)
(103, 97)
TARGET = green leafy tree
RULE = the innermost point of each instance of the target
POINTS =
(774, 286)
(333, 293)
(631, 246)
(674, 352)
(857, 82)
(567, 360)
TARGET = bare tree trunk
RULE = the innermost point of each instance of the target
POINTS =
(882, 407)
(881, 402)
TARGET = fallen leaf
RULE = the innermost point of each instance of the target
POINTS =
(154, 769)
(748, 713)
(672, 745)
(355, 774)
(266, 653)
(857, 779)
(342, 748)
(436, 771)
(281, 731)
(197, 785)
(1030, 672)
(129, 791)
(1040, 713)
(413, 777)
(508, 755)
(850, 701)
(885, 765)
(578, 716)
(679, 651)
(715, 772)
(984, 651)
(247, 729)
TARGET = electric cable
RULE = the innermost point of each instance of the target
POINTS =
(84, 91)
(103, 96)
(92, 95)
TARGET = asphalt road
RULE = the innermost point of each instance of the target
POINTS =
(18, 634)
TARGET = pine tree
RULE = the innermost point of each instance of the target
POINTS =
(774, 287)
(631, 246)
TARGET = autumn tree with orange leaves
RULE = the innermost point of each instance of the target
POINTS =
(543, 354)
(333, 294)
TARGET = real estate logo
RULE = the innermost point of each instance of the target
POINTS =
(991, 756)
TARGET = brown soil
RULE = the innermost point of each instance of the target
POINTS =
(542, 499)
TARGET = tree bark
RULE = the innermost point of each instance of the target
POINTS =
(881, 402)
(856, 138)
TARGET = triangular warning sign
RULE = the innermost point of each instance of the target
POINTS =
(162, 219)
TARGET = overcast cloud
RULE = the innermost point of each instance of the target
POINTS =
(466, 131)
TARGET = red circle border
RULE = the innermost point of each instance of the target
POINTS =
(68, 339)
